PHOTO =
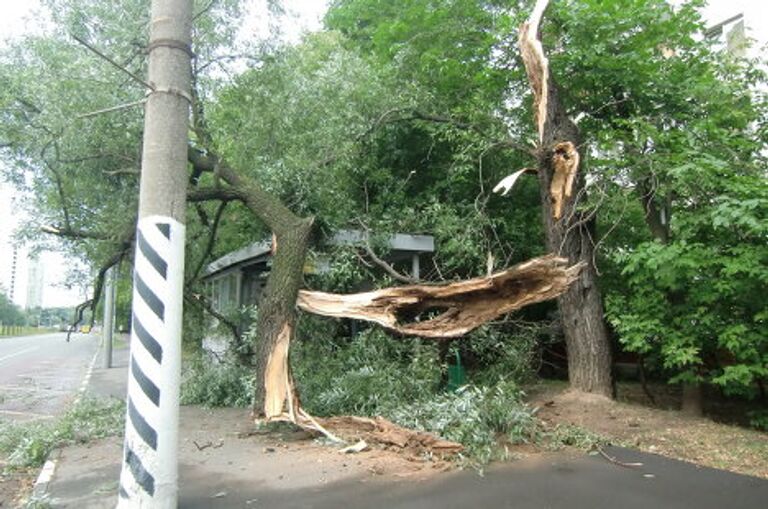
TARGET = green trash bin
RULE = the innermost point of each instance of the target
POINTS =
(456, 374)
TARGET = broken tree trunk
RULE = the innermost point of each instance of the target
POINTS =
(569, 232)
(458, 307)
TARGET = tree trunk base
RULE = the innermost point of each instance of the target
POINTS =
(693, 399)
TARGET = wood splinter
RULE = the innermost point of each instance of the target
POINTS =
(281, 392)
(565, 161)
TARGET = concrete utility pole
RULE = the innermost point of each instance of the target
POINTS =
(109, 315)
(149, 475)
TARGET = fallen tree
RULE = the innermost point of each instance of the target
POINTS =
(444, 311)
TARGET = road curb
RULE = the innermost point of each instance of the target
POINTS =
(43, 481)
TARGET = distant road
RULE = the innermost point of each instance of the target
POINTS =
(41, 375)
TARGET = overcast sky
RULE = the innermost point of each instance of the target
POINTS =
(15, 20)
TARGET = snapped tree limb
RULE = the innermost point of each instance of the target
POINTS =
(460, 307)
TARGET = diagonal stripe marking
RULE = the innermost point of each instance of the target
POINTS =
(149, 342)
(165, 229)
(140, 473)
(123, 493)
(153, 256)
(145, 431)
(147, 385)
(154, 303)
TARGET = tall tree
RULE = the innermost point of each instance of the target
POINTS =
(672, 147)
(569, 231)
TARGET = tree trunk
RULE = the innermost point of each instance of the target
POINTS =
(581, 307)
(277, 321)
(693, 399)
(568, 232)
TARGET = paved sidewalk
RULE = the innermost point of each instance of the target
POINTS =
(223, 464)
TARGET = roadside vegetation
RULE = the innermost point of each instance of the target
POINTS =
(26, 445)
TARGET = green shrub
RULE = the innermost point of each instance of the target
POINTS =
(28, 444)
(480, 418)
(364, 375)
(758, 419)
(500, 353)
(215, 384)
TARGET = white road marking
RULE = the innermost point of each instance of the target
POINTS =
(87, 379)
(27, 388)
(30, 349)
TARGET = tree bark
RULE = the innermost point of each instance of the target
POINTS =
(275, 397)
(568, 232)
(693, 399)
(277, 322)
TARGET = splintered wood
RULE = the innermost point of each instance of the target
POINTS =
(450, 310)
(536, 64)
(565, 157)
(565, 162)
(387, 434)
(277, 378)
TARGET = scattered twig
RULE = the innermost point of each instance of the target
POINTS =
(617, 462)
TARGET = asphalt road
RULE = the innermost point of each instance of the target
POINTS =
(41, 375)
(555, 482)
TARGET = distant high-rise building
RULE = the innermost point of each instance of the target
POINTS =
(35, 282)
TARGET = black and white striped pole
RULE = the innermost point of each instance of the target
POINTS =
(149, 476)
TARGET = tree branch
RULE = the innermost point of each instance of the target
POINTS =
(451, 310)
(97, 287)
(211, 193)
(211, 240)
(268, 208)
(73, 233)
(389, 269)
(57, 180)
(204, 303)
(115, 64)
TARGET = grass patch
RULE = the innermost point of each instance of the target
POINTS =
(9, 332)
(28, 444)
